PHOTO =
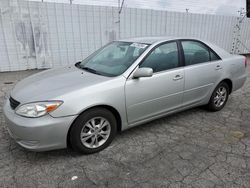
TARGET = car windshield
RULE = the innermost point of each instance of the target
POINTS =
(113, 59)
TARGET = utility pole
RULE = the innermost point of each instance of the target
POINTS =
(120, 6)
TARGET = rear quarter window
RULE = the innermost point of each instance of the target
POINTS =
(213, 56)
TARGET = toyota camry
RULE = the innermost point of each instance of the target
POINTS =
(123, 84)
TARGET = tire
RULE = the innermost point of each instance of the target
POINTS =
(214, 103)
(91, 123)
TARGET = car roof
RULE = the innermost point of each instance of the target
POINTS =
(151, 40)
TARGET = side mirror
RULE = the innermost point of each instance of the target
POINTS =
(143, 72)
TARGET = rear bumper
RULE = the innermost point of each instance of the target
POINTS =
(239, 82)
(37, 134)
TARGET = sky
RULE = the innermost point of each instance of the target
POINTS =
(221, 7)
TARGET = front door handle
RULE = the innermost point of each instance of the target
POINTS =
(218, 67)
(177, 77)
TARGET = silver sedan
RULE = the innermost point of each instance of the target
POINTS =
(123, 84)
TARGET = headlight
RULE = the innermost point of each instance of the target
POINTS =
(37, 109)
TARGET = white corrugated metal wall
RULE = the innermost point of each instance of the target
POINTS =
(44, 35)
(217, 29)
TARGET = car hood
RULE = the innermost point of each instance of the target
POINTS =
(53, 83)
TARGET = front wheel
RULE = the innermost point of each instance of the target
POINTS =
(219, 97)
(93, 131)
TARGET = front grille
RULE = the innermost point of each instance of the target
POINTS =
(13, 103)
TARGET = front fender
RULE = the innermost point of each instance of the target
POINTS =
(110, 93)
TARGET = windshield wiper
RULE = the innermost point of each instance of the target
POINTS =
(90, 70)
(78, 65)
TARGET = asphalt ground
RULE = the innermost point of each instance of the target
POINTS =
(194, 148)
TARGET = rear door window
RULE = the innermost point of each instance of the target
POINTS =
(195, 52)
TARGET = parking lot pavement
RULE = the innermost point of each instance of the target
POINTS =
(194, 148)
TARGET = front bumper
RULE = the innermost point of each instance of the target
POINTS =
(38, 134)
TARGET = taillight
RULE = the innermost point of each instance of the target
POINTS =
(245, 62)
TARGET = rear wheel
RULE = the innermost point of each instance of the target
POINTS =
(93, 131)
(219, 97)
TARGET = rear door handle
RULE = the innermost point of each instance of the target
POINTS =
(177, 77)
(218, 67)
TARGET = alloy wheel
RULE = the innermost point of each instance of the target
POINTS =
(95, 132)
(220, 96)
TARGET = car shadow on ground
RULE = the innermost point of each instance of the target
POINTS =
(69, 152)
